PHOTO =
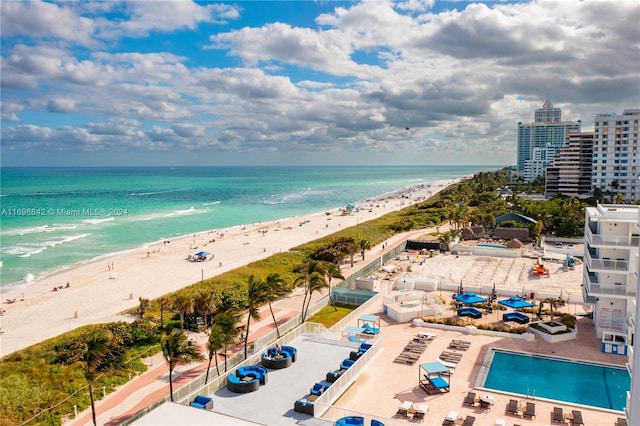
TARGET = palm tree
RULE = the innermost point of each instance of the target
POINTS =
(205, 305)
(178, 350)
(333, 271)
(315, 285)
(165, 303)
(364, 246)
(184, 305)
(276, 288)
(224, 332)
(256, 296)
(144, 305)
(311, 272)
(100, 354)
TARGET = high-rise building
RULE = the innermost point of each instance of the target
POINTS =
(546, 135)
(616, 164)
(570, 173)
(548, 114)
(610, 285)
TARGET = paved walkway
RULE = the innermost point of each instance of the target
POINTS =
(153, 385)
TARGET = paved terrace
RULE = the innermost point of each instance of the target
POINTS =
(384, 384)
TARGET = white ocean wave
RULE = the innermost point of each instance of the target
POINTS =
(98, 221)
(141, 194)
(30, 249)
(211, 203)
(42, 228)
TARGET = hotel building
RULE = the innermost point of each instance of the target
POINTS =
(615, 154)
(570, 173)
(611, 271)
(548, 136)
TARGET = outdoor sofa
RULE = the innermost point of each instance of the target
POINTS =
(518, 317)
(470, 312)
(350, 421)
(202, 402)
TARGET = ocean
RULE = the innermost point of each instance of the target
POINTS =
(53, 218)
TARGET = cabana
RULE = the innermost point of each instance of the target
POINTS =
(430, 377)
(515, 302)
(351, 331)
(369, 323)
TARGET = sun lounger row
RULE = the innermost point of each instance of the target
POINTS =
(558, 416)
(460, 345)
(411, 353)
(407, 409)
(528, 410)
(454, 419)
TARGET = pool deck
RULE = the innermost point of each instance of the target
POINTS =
(382, 388)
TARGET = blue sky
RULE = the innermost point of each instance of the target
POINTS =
(303, 82)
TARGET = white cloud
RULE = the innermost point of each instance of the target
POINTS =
(460, 80)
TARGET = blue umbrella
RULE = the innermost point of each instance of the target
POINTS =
(202, 253)
(469, 298)
(515, 302)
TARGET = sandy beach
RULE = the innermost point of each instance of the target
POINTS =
(99, 290)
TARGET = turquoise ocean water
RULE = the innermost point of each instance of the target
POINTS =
(56, 217)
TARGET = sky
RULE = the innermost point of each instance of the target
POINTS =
(324, 82)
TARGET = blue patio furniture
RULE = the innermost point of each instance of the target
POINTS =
(238, 385)
(370, 330)
(317, 389)
(518, 317)
(256, 371)
(346, 363)
(375, 422)
(202, 402)
(291, 351)
(350, 421)
(470, 312)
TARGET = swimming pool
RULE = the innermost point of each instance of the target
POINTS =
(491, 246)
(596, 385)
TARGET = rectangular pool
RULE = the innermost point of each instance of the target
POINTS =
(572, 381)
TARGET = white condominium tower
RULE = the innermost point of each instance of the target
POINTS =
(615, 154)
(539, 141)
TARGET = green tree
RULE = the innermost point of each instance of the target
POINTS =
(256, 296)
(276, 288)
(227, 323)
(144, 305)
(204, 305)
(364, 246)
(100, 355)
(178, 350)
(332, 271)
(184, 305)
(312, 275)
(165, 304)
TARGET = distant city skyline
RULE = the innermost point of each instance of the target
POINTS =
(304, 82)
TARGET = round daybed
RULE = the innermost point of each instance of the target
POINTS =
(277, 362)
(238, 385)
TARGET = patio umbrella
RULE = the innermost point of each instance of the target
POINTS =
(202, 253)
(469, 298)
(515, 302)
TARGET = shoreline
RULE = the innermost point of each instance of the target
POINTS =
(19, 286)
(103, 287)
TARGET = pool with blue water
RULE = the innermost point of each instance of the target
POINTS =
(572, 381)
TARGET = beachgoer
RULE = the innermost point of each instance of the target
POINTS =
(68, 285)
(278, 349)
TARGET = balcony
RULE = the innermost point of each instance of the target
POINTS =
(611, 240)
(595, 289)
(605, 264)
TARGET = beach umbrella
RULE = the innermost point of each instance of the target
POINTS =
(515, 302)
(202, 253)
(469, 298)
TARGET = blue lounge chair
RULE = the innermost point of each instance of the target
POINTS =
(346, 363)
